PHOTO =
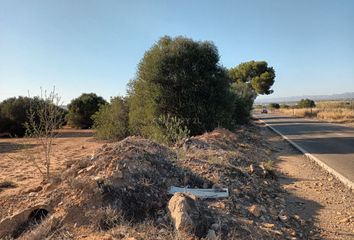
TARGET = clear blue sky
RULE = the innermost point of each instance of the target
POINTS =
(94, 46)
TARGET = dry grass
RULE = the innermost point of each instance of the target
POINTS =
(332, 114)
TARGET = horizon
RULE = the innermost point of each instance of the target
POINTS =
(90, 46)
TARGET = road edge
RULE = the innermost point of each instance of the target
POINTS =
(336, 174)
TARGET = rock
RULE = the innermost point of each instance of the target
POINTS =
(215, 226)
(255, 210)
(268, 225)
(32, 194)
(190, 215)
(35, 189)
(283, 216)
(251, 168)
(90, 168)
(211, 235)
(186, 144)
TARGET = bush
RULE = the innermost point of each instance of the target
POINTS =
(181, 78)
(243, 99)
(274, 105)
(14, 114)
(306, 103)
(82, 108)
(285, 106)
(111, 121)
(171, 129)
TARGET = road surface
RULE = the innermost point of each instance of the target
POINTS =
(331, 144)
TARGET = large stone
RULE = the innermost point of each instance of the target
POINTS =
(190, 215)
(255, 210)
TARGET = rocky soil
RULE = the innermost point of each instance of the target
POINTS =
(120, 192)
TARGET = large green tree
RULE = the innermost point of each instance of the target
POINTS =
(82, 108)
(181, 78)
(256, 74)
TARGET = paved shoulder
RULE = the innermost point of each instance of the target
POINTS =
(332, 144)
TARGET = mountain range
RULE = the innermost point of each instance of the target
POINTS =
(341, 96)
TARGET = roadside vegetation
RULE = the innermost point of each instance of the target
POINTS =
(180, 90)
(82, 108)
(183, 98)
(332, 111)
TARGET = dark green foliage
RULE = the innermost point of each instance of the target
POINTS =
(111, 121)
(241, 112)
(274, 105)
(306, 103)
(243, 102)
(14, 114)
(256, 74)
(184, 79)
(82, 108)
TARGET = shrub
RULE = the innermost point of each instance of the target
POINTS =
(285, 106)
(111, 121)
(306, 103)
(242, 99)
(183, 78)
(82, 108)
(44, 117)
(274, 105)
(14, 114)
(171, 129)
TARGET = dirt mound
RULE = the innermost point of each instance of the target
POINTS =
(121, 191)
(240, 161)
(131, 177)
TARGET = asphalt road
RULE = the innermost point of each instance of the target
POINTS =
(332, 144)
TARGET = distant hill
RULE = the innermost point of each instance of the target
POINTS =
(342, 96)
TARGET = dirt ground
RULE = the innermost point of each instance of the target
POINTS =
(16, 166)
(325, 204)
(313, 194)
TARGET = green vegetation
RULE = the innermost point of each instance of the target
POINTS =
(172, 129)
(256, 74)
(180, 90)
(111, 121)
(82, 108)
(274, 105)
(306, 103)
(14, 114)
(184, 79)
(248, 80)
(285, 106)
